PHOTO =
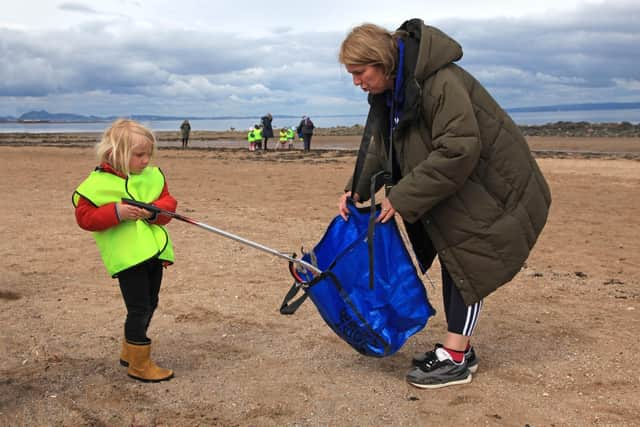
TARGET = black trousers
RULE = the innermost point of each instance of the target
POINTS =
(306, 138)
(140, 286)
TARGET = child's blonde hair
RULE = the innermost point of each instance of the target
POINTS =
(118, 141)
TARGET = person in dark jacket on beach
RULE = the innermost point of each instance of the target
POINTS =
(305, 128)
(461, 176)
(267, 129)
(185, 131)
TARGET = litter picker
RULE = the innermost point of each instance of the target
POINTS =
(291, 258)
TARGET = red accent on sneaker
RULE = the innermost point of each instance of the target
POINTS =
(457, 356)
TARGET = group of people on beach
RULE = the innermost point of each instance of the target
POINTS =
(259, 134)
(457, 172)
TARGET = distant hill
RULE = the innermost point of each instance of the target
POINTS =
(45, 116)
(578, 107)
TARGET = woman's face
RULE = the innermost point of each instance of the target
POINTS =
(370, 78)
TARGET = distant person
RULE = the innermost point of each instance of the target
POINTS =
(460, 174)
(252, 137)
(258, 137)
(305, 128)
(267, 129)
(291, 136)
(133, 242)
(283, 138)
(185, 131)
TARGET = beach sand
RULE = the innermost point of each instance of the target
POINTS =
(557, 345)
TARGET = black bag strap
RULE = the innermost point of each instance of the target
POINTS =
(370, 126)
(362, 151)
(288, 307)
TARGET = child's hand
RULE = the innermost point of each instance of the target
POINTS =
(132, 213)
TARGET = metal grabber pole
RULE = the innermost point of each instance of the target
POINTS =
(151, 208)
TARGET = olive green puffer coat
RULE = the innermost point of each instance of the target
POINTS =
(467, 177)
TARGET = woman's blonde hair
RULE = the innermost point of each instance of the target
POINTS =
(118, 141)
(369, 44)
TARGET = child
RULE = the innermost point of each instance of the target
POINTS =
(251, 139)
(291, 134)
(132, 241)
(283, 138)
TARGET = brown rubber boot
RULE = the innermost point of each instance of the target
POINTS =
(124, 354)
(142, 368)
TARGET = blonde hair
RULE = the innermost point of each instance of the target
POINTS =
(118, 142)
(370, 44)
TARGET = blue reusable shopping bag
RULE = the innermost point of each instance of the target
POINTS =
(370, 295)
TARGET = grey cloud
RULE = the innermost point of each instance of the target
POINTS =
(555, 59)
(77, 7)
(583, 57)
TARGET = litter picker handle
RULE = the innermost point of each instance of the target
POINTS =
(147, 206)
(160, 211)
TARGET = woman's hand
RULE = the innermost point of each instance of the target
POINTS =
(132, 213)
(343, 210)
(387, 212)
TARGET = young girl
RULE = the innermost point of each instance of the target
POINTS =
(132, 241)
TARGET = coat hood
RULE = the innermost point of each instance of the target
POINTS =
(427, 50)
(434, 48)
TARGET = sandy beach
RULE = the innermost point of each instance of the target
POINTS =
(556, 346)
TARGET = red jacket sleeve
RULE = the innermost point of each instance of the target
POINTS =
(93, 218)
(166, 202)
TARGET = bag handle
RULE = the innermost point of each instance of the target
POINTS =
(289, 308)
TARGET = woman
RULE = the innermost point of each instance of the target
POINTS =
(460, 174)
(305, 130)
(267, 129)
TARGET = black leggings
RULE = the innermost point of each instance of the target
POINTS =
(140, 286)
(461, 318)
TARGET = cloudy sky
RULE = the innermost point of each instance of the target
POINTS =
(242, 57)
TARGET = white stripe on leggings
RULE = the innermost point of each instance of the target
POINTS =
(473, 312)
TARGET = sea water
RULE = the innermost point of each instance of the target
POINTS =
(521, 118)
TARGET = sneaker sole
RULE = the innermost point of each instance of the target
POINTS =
(434, 386)
(473, 369)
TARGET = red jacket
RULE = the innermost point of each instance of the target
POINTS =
(93, 218)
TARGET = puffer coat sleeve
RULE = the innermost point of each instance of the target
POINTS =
(456, 148)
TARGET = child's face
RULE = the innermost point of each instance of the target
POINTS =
(140, 157)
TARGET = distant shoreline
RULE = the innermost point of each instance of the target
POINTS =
(561, 128)
(44, 116)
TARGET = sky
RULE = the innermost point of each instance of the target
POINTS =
(198, 58)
